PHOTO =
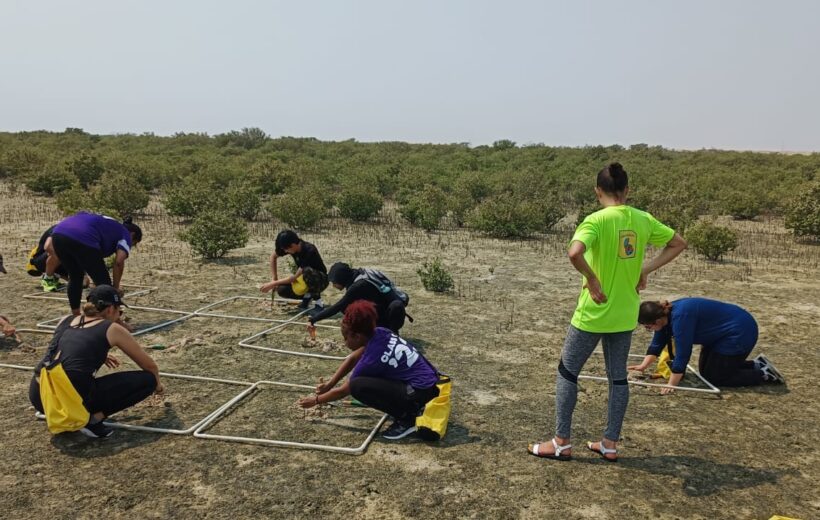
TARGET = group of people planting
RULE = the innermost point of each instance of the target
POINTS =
(383, 370)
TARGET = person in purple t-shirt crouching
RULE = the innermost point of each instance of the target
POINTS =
(388, 373)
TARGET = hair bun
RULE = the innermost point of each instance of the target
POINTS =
(616, 170)
(128, 220)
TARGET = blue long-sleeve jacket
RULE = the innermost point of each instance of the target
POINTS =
(723, 327)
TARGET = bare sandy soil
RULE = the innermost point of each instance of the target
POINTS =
(750, 453)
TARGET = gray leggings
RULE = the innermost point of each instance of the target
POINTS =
(577, 348)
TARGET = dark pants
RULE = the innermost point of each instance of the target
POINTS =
(395, 398)
(721, 370)
(393, 319)
(79, 259)
(108, 394)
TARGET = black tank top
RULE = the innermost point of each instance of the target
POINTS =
(82, 349)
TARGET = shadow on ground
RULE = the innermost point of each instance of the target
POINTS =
(75, 444)
(700, 477)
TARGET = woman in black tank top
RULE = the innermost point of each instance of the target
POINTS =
(81, 345)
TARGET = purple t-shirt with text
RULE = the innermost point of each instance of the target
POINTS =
(388, 356)
(96, 231)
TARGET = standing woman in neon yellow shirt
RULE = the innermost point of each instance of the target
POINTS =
(608, 249)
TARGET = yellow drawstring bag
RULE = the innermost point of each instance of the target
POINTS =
(299, 286)
(62, 405)
(663, 369)
(432, 424)
(30, 268)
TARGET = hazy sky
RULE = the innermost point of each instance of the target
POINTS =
(715, 73)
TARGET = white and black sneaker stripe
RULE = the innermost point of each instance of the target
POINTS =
(397, 431)
(96, 430)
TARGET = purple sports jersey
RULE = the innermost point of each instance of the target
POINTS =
(97, 231)
(388, 356)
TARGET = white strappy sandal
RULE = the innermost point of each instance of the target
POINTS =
(603, 451)
(532, 449)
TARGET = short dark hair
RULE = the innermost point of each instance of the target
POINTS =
(286, 238)
(613, 178)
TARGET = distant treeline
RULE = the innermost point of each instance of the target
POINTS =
(504, 189)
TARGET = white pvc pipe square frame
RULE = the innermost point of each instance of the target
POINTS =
(198, 428)
(247, 342)
(358, 450)
(141, 290)
(185, 315)
(711, 390)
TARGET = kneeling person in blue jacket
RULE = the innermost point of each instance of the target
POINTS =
(727, 334)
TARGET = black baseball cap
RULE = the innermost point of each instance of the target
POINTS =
(104, 295)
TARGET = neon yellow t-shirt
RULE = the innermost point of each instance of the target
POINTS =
(615, 239)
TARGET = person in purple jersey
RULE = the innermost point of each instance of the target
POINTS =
(83, 241)
(388, 373)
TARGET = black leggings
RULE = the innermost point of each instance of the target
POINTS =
(393, 319)
(392, 397)
(722, 370)
(108, 394)
(79, 259)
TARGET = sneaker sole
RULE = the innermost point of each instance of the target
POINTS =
(402, 435)
(89, 433)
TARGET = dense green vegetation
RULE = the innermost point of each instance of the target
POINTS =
(504, 190)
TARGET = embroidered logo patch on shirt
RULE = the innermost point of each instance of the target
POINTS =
(628, 243)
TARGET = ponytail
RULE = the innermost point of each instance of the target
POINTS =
(650, 312)
(128, 223)
(613, 179)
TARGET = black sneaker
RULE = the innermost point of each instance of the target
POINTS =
(97, 430)
(398, 430)
(304, 303)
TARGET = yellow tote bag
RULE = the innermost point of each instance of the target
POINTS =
(62, 405)
(299, 286)
(432, 424)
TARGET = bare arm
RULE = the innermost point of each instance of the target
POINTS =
(647, 361)
(672, 249)
(332, 395)
(576, 257)
(344, 368)
(284, 281)
(674, 380)
(119, 267)
(119, 337)
(274, 270)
